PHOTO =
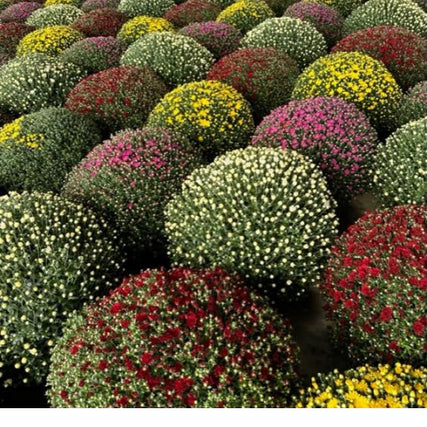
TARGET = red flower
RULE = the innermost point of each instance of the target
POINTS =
(418, 327)
(117, 307)
(386, 314)
(182, 384)
(74, 349)
(146, 358)
(64, 394)
(191, 320)
(102, 365)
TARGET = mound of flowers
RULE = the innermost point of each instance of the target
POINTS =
(403, 53)
(344, 7)
(36, 81)
(10, 35)
(299, 39)
(192, 11)
(137, 27)
(211, 114)
(380, 386)
(54, 256)
(49, 41)
(19, 12)
(59, 14)
(179, 338)
(95, 54)
(354, 77)
(76, 3)
(413, 105)
(176, 58)
(264, 76)
(134, 8)
(117, 98)
(324, 18)
(219, 38)
(265, 214)
(100, 22)
(245, 14)
(39, 149)
(400, 166)
(89, 5)
(375, 286)
(332, 132)
(130, 178)
(400, 13)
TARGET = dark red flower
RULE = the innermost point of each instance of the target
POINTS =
(386, 314)
(182, 384)
(102, 365)
(418, 328)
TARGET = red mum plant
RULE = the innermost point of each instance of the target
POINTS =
(118, 98)
(180, 338)
(10, 35)
(192, 11)
(219, 38)
(264, 76)
(403, 52)
(376, 283)
(100, 22)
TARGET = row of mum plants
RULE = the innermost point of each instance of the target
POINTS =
(129, 129)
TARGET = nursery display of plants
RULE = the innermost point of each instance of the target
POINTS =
(213, 204)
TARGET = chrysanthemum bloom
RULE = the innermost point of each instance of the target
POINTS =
(179, 338)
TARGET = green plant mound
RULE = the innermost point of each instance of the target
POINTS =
(400, 166)
(265, 214)
(179, 338)
(299, 39)
(353, 77)
(245, 14)
(129, 180)
(176, 58)
(401, 13)
(54, 256)
(413, 105)
(211, 114)
(39, 149)
(59, 14)
(134, 8)
(36, 81)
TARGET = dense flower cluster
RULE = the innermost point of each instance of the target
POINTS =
(100, 22)
(212, 114)
(413, 105)
(354, 77)
(39, 149)
(332, 132)
(49, 41)
(59, 14)
(325, 19)
(176, 58)
(36, 81)
(263, 75)
(95, 54)
(245, 14)
(89, 5)
(400, 167)
(19, 12)
(375, 286)
(137, 27)
(179, 338)
(118, 98)
(403, 53)
(10, 35)
(344, 7)
(401, 13)
(299, 39)
(54, 256)
(263, 213)
(130, 178)
(381, 386)
(76, 3)
(156, 8)
(192, 11)
(219, 38)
